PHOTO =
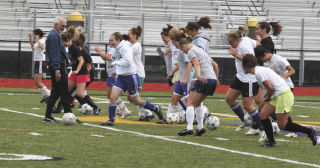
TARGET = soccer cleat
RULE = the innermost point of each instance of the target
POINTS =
(185, 132)
(107, 123)
(163, 121)
(269, 144)
(44, 100)
(253, 132)
(263, 136)
(159, 112)
(313, 136)
(200, 132)
(291, 135)
(240, 127)
(97, 110)
(149, 118)
(205, 117)
(49, 120)
(79, 122)
(125, 114)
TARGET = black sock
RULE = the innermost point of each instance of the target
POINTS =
(59, 107)
(267, 126)
(293, 127)
(254, 125)
(80, 100)
(290, 120)
(89, 101)
(274, 116)
(182, 105)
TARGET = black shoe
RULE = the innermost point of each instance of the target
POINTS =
(195, 123)
(44, 100)
(185, 132)
(159, 113)
(200, 132)
(49, 120)
(57, 110)
(79, 122)
(107, 123)
(163, 121)
(97, 110)
(206, 116)
(269, 144)
(149, 118)
(313, 136)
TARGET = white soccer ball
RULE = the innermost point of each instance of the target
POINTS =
(182, 118)
(212, 122)
(69, 119)
(275, 127)
(173, 118)
(86, 109)
(247, 118)
(142, 114)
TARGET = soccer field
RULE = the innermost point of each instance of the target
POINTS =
(132, 144)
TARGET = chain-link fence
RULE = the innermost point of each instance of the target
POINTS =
(16, 59)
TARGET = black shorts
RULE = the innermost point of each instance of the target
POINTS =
(291, 90)
(247, 89)
(40, 67)
(205, 88)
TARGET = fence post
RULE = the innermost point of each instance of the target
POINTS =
(19, 59)
(142, 40)
(301, 67)
(34, 27)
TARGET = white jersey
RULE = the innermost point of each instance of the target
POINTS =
(246, 46)
(167, 58)
(175, 54)
(182, 59)
(137, 51)
(279, 65)
(206, 68)
(124, 60)
(263, 73)
(38, 52)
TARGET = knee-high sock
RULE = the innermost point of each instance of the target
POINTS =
(290, 119)
(89, 101)
(199, 115)
(267, 126)
(171, 109)
(149, 106)
(190, 117)
(183, 105)
(238, 110)
(274, 116)
(112, 111)
(293, 127)
(256, 119)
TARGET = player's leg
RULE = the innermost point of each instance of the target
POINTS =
(231, 99)
(266, 111)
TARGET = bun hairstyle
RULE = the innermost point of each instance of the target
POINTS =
(125, 37)
(242, 29)
(275, 26)
(202, 22)
(165, 31)
(117, 36)
(176, 34)
(38, 32)
(136, 31)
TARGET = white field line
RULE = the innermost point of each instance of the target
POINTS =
(181, 141)
(35, 134)
(307, 107)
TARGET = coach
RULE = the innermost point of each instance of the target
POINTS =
(57, 58)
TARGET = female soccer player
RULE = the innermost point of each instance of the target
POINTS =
(279, 99)
(39, 58)
(244, 84)
(134, 35)
(204, 86)
(127, 80)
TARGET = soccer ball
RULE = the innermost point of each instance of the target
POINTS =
(247, 118)
(142, 114)
(173, 118)
(212, 122)
(86, 109)
(69, 118)
(275, 127)
(182, 118)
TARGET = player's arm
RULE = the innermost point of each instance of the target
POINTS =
(81, 62)
(216, 70)
(174, 70)
(267, 84)
(104, 56)
(196, 66)
(31, 42)
(186, 75)
(290, 70)
(235, 54)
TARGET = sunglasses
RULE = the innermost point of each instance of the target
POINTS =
(64, 25)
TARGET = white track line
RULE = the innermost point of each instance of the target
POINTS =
(307, 107)
(180, 141)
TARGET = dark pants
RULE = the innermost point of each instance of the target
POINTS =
(59, 89)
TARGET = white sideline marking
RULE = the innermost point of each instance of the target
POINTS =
(303, 116)
(35, 134)
(35, 108)
(306, 106)
(222, 139)
(100, 136)
(282, 140)
(180, 141)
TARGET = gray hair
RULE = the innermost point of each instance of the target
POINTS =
(57, 20)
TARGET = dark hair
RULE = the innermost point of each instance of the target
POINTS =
(38, 32)
(125, 37)
(276, 27)
(136, 31)
(249, 61)
(65, 37)
(80, 41)
(117, 36)
(202, 22)
(165, 31)
(260, 51)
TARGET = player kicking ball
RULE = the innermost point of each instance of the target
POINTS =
(279, 99)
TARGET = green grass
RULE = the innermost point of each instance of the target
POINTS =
(118, 149)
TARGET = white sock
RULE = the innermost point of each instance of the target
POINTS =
(85, 92)
(171, 109)
(190, 117)
(180, 109)
(200, 114)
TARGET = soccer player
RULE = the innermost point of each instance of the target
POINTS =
(204, 86)
(244, 84)
(281, 66)
(39, 59)
(127, 80)
(279, 99)
(134, 35)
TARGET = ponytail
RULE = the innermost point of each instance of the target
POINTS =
(276, 27)
(165, 31)
(136, 31)
(202, 22)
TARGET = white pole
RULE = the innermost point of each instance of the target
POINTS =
(179, 14)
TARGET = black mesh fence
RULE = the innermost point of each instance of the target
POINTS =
(16, 60)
